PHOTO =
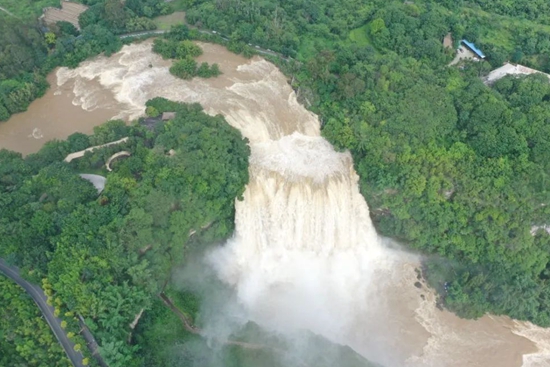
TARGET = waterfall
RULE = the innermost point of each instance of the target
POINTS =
(305, 254)
(305, 250)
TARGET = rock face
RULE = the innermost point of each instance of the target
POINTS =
(97, 180)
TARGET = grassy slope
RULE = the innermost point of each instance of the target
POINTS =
(360, 36)
(164, 22)
(500, 29)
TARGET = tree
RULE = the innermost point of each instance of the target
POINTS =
(115, 14)
(67, 29)
(179, 32)
(377, 26)
(50, 38)
(185, 68)
(151, 111)
(78, 142)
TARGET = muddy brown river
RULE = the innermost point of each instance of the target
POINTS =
(377, 311)
(54, 116)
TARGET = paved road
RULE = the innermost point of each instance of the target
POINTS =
(40, 298)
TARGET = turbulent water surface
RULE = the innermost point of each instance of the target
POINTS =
(305, 253)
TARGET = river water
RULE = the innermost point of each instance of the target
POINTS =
(305, 253)
(54, 116)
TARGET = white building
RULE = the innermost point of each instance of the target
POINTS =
(509, 69)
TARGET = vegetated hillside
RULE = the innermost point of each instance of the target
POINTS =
(537, 10)
(25, 338)
(448, 165)
(107, 256)
(303, 28)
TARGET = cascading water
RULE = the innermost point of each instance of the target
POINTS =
(305, 254)
(305, 251)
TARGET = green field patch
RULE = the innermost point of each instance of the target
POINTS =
(499, 29)
(360, 35)
(164, 22)
(499, 37)
(178, 5)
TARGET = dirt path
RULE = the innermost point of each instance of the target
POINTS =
(186, 323)
(80, 154)
(8, 12)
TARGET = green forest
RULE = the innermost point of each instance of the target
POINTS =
(452, 168)
(106, 257)
(26, 339)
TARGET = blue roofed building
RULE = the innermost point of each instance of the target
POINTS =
(473, 48)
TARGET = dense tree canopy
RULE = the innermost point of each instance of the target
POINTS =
(107, 257)
(177, 46)
(26, 339)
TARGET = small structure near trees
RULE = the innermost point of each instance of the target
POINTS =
(69, 12)
(168, 116)
(473, 48)
(466, 51)
(510, 69)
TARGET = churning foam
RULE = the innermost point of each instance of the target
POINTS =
(541, 337)
(298, 157)
(305, 254)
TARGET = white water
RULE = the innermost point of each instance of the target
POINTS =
(305, 253)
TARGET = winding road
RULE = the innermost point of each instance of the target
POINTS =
(40, 299)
